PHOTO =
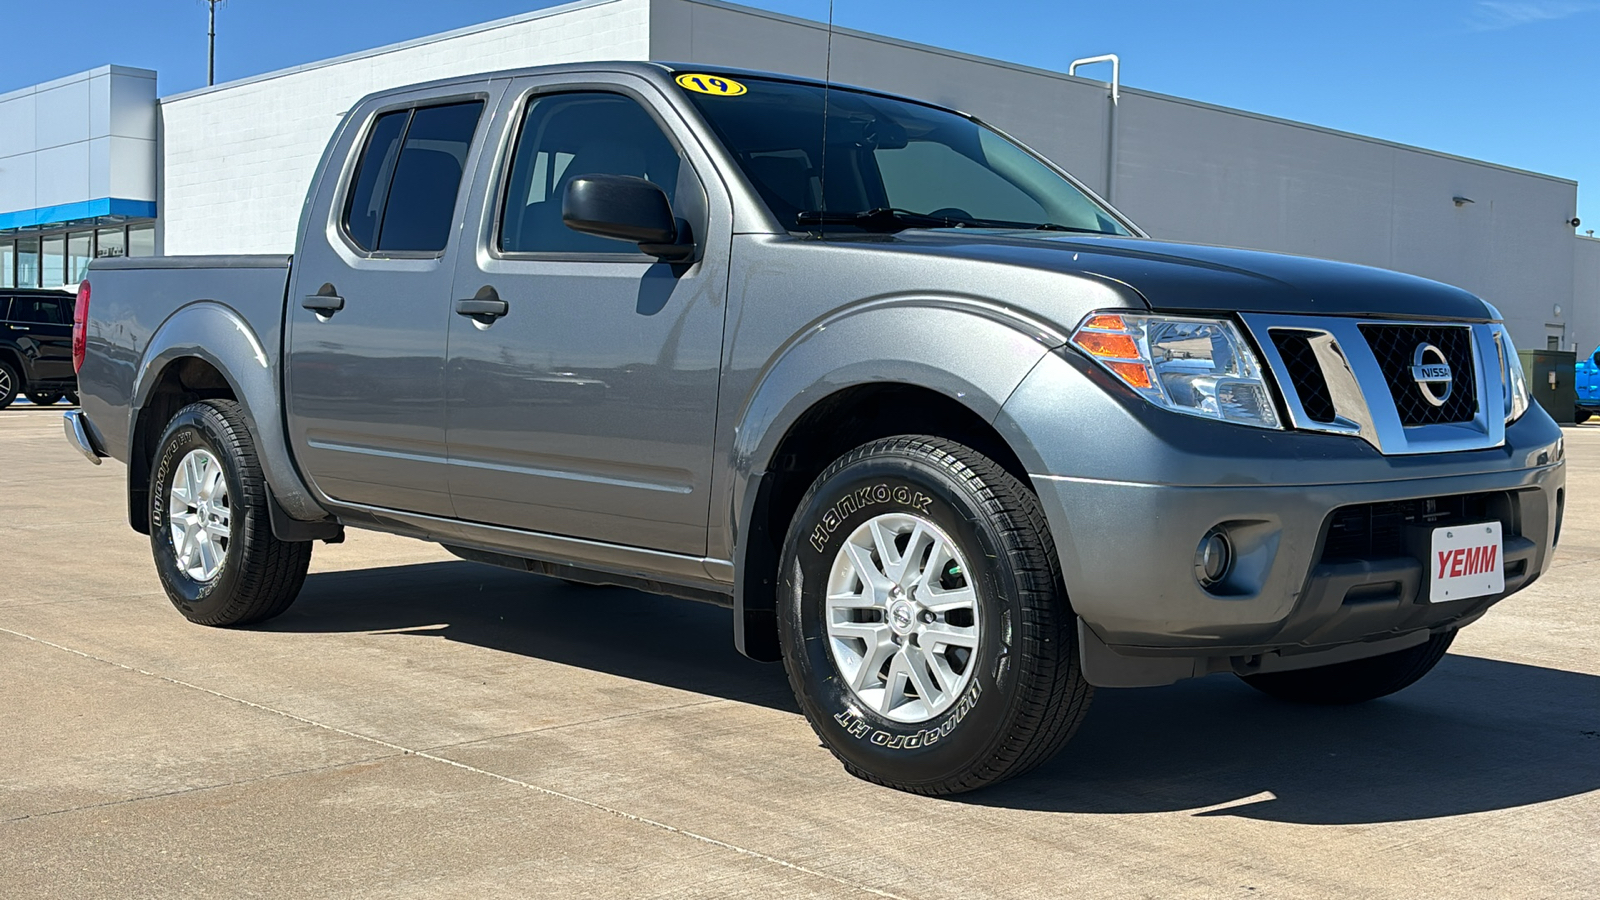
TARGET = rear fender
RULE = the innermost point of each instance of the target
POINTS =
(212, 332)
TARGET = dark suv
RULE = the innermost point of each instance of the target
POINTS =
(36, 346)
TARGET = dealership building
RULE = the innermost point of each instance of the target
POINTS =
(98, 164)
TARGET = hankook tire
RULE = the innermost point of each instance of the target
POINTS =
(923, 621)
(210, 531)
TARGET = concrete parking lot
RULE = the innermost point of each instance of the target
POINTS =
(418, 726)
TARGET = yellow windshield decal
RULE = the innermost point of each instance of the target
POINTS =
(716, 85)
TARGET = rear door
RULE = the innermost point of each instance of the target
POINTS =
(41, 326)
(589, 408)
(369, 303)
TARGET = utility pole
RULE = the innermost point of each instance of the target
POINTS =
(211, 44)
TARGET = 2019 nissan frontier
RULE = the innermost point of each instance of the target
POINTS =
(952, 437)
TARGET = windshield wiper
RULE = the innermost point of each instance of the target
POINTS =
(881, 218)
(890, 218)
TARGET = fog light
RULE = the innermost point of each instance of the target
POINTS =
(1213, 558)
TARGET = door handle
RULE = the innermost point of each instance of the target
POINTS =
(323, 304)
(491, 308)
(20, 328)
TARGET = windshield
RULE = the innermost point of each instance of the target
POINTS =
(890, 164)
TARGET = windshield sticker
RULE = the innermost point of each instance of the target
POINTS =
(715, 85)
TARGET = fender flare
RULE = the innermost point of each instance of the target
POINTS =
(972, 351)
(214, 333)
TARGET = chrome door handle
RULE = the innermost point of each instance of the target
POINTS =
(323, 304)
(20, 328)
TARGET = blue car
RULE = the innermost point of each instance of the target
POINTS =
(1588, 384)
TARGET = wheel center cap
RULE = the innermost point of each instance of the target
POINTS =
(902, 616)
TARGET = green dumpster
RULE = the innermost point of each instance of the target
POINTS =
(1550, 380)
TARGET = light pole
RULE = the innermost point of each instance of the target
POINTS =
(211, 44)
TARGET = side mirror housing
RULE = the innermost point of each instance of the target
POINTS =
(626, 208)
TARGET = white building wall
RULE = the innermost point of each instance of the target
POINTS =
(238, 158)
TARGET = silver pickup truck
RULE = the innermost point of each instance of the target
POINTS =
(952, 437)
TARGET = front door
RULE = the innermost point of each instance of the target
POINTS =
(588, 409)
(369, 309)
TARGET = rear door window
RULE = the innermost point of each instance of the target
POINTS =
(403, 196)
(40, 311)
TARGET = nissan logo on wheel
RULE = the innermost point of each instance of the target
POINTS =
(1431, 371)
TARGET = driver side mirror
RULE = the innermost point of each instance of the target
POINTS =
(627, 208)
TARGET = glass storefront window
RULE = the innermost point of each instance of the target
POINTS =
(8, 264)
(27, 262)
(52, 273)
(112, 242)
(80, 249)
(141, 240)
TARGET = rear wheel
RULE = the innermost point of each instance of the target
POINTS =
(45, 398)
(923, 621)
(72, 397)
(10, 383)
(210, 531)
(1357, 681)
(1582, 416)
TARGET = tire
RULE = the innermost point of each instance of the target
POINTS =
(72, 398)
(1357, 681)
(45, 398)
(255, 576)
(1019, 693)
(10, 383)
(1581, 417)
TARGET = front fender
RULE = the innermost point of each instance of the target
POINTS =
(973, 352)
(209, 331)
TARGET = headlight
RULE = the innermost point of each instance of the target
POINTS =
(1201, 367)
(1513, 383)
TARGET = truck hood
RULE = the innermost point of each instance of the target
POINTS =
(1194, 277)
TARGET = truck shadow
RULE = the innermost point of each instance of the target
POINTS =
(1476, 735)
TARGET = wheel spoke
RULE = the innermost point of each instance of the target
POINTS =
(871, 662)
(942, 673)
(871, 632)
(894, 686)
(214, 490)
(945, 601)
(917, 669)
(866, 571)
(943, 633)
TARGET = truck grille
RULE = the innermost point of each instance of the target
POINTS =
(1305, 373)
(1394, 346)
(1373, 531)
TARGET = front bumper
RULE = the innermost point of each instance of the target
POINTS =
(1127, 544)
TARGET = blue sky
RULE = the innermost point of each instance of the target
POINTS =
(1510, 81)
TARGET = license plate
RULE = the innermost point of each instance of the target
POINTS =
(1466, 562)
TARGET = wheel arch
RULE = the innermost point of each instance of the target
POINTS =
(841, 385)
(202, 351)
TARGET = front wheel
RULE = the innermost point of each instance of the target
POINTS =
(1357, 681)
(210, 531)
(923, 621)
(45, 398)
(10, 383)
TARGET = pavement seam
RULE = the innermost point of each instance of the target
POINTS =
(423, 754)
(200, 788)
(544, 728)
